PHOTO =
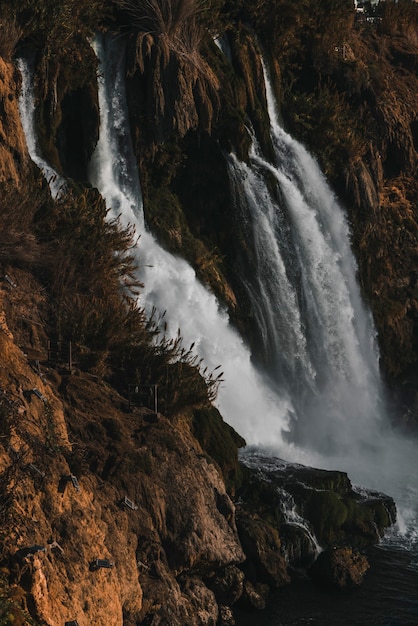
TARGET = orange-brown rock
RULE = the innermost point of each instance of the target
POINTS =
(14, 158)
(181, 524)
(339, 568)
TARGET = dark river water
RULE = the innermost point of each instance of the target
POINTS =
(387, 597)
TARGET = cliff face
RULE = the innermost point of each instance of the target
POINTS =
(13, 154)
(350, 96)
(178, 550)
(177, 523)
(113, 514)
(383, 185)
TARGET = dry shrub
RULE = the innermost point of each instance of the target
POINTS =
(177, 21)
(400, 18)
(18, 243)
(55, 23)
(176, 26)
(92, 280)
(155, 359)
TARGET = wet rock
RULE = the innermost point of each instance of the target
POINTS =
(297, 544)
(261, 544)
(324, 501)
(227, 585)
(254, 596)
(340, 568)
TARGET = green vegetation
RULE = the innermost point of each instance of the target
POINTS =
(85, 262)
(327, 512)
(334, 516)
(92, 277)
(324, 121)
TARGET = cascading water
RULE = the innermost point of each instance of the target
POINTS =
(27, 114)
(320, 402)
(317, 341)
(318, 405)
(170, 283)
(316, 335)
(320, 347)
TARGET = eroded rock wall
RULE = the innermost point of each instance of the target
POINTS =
(13, 154)
(182, 525)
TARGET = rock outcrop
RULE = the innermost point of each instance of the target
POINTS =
(113, 514)
(316, 503)
(14, 158)
(85, 479)
(341, 568)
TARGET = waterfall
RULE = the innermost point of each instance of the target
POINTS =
(316, 337)
(319, 399)
(170, 283)
(27, 115)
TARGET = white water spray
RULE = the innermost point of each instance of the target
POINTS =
(318, 335)
(170, 283)
(341, 383)
(302, 368)
(56, 183)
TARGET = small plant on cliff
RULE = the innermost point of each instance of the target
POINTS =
(18, 244)
(176, 21)
(92, 276)
(155, 359)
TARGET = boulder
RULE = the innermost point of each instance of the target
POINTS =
(262, 546)
(226, 584)
(341, 567)
(323, 502)
(254, 596)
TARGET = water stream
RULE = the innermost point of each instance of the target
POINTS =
(27, 109)
(170, 282)
(319, 400)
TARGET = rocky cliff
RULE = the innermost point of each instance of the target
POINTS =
(113, 513)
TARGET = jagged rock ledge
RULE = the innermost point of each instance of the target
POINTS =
(315, 512)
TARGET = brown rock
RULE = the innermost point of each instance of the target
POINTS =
(254, 596)
(14, 157)
(227, 585)
(340, 568)
(261, 544)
